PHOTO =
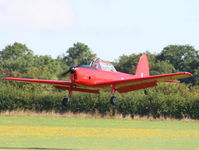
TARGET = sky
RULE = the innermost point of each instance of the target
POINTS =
(110, 28)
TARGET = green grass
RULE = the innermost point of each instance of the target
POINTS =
(96, 134)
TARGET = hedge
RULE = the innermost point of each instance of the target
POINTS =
(173, 100)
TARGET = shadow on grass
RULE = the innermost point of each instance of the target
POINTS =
(36, 148)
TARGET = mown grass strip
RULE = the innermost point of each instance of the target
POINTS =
(96, 132)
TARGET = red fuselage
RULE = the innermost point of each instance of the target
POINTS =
(90, 77)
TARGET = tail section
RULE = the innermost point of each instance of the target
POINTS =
(142, 69)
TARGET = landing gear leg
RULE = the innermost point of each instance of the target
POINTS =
(67, 99)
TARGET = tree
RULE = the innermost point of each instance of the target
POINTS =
(17, 60)
(16, 57)
(180, 56)
(44, 67)
(78, 54)
(127, 63)
(158, 67)
(183, 58)
(15, 51)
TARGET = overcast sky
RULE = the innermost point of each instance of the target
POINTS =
(110, 28)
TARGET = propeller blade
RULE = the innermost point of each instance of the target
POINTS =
(65, 73)
(70, 70)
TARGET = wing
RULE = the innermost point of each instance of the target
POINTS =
(54, 82)
(141, 83)
(63, 85)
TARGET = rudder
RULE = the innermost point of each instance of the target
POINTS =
(142, 69)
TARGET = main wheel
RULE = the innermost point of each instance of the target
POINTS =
(145, 92)
(113, 100)
(65, 101)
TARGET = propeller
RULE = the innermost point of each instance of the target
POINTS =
(72, 69)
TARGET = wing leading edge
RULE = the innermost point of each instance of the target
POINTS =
(63, 85)
(54, 82)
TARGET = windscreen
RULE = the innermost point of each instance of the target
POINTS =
(107, 67)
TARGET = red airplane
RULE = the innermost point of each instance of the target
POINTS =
(102, 76)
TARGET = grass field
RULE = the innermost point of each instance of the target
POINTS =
(49, 133)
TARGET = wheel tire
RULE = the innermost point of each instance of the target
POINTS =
(65, 101)
(145, 92)
(113, 100)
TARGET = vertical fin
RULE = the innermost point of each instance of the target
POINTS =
(142, 69)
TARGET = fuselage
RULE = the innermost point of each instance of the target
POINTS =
(97, 72)
(91, 77)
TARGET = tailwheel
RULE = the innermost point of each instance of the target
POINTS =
(113, 100)
(146, 92)
(65, 101)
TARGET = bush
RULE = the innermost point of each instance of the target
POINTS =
(173, 100)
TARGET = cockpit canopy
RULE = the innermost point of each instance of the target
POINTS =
(102, 65)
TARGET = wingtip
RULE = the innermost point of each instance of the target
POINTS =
(188, 73)
(2, 77)
(7, 78)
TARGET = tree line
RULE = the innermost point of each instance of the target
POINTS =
(17, 60)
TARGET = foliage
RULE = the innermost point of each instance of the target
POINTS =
(126, 63)
(15, 51)
(16, 57)
(183, 58)
(78, 54)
